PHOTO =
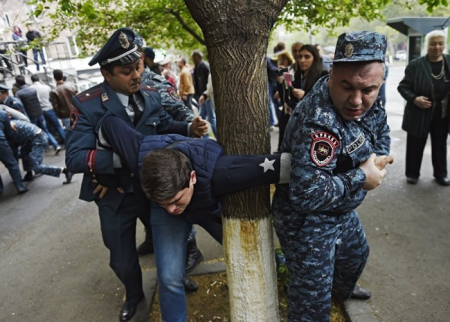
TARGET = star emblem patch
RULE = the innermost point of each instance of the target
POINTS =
(267, 165)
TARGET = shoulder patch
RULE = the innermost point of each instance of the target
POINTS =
(74, 113)
(173, 93)
(322, 148)
(89, 94)
(149, 88)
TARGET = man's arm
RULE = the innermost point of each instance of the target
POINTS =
(405, 87)
(170, 100)
(82, 155)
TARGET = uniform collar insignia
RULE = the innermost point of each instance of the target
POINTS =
(104, 97)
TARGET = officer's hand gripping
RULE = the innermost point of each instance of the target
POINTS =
(383, 160)
(374, 175)
(199, 127)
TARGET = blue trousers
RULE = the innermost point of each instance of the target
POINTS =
(40, 121)
(207, 113)
(325, 254)
(35, 56)
(51, 116)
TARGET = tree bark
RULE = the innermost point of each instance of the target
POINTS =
(236, 35)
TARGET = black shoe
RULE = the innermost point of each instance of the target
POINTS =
(128, 310)
(443, 181)
(28, 176)
(57, 150)
(147, 246)
(360, 293)
(69, 176)
(193, 257)
(22, 190)
(189, 285)
(412, 180)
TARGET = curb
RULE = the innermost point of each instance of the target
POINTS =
(150, 282)
(359, 311)
(356, 310)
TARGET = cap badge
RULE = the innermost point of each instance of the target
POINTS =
(348, 52)
(123, 39)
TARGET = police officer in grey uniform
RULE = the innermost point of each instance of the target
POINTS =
(106, 181)
(339, 140)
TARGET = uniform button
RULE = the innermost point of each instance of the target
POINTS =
(132, 175)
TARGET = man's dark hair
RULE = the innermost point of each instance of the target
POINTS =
(20, 80)
(35, 78)
(279, 47)
(164, 173)
(197, 53)
(58, 75)
(110, 67)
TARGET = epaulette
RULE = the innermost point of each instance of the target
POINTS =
(89, 94)
(149, 88)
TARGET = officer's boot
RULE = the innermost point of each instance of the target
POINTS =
(147, 246)
(193, 257)
(189, 285)
(18, 182)
(28, 176)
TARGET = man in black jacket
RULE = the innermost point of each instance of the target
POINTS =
(32, 35)
(200, 77)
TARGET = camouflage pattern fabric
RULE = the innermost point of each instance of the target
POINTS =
(170, 100)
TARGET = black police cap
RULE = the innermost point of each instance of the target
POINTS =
(120, 48)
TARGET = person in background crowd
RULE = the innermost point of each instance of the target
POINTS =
(200, 77)
(339, 140)
(62, 97)
(21, 45)
(37, 48)
(279, 47)
(426, 89)
(43, 92)
(295, 49)
(7, 155)
(30, 100)
(208, 94)
(167, 73)
(272, 82)
(326, 60)
(149, 60)
(284, 89)
(186, 83)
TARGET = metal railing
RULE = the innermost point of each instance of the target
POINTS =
(10, 54)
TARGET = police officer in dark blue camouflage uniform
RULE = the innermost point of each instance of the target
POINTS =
(106, 181)
(7, 156)
(10, 101)
(339, 140)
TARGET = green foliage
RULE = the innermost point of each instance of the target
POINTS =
(168, 24)
(282, 270)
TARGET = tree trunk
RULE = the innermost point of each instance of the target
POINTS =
(236, 35)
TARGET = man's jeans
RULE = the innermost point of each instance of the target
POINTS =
(51, 115)
(40, 121)
(35, 55)
(170, 236)
(207, 113)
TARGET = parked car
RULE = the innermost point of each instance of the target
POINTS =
(400, 55)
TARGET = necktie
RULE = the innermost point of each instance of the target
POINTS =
(136, 110)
